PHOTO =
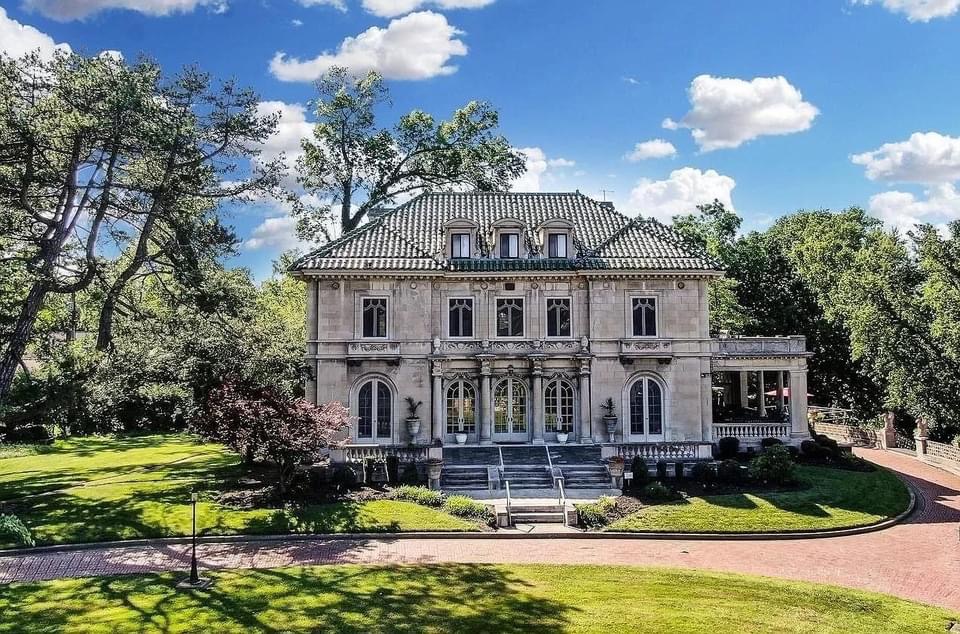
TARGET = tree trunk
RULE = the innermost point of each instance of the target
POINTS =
(20, 337)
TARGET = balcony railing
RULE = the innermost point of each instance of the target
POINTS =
(668, 451)
(356, 454)
(752, 430)
(760, 346)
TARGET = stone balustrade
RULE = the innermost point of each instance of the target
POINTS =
(667, 451)
(760, 346)
(356, 454)
(752, 430)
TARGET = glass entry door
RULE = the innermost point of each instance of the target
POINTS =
(510, 411)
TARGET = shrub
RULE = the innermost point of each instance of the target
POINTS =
(596, 514)
(810, 449)
(344, 477)
(704, 473)
(410, 474)
(661, 470)
(773, 465)
(766, 443)
(640, 474)
(367, 471)
(728, 447)
(420, 495)
(13, 531)
(829, 444)
(657, 491)
(793, 451)
(28, 434)
(393, 469)
(729, 472)
(678, 470)
(462, 506)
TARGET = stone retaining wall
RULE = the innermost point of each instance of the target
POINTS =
(938, 453)
(860, 436)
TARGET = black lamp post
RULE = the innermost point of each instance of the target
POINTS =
(194, 573)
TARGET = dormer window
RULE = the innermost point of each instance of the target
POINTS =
(509, 245)
(460, 245)
(556, 245)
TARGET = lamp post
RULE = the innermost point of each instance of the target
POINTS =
(194, 573)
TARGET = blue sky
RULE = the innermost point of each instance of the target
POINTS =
(769, 105)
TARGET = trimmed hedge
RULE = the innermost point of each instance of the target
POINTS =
(728, 447)
(774, 465)
(596, 514)
(12, 530)
(419, 495)
(462, 506)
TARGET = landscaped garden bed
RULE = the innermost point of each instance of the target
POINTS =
(822, 488)
(459, 598)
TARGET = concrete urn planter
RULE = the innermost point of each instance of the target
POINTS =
(612, 423)
(562, 437)
(615, 466)
(461, 439)
(434, 467)
(413, 426)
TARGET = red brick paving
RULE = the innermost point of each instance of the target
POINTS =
(918, 560)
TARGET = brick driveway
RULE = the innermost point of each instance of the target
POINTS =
(917, 560)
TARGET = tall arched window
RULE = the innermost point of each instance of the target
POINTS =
(374, 410)
(646, 407)
(558, 406)
(461, 408)
(510, 407)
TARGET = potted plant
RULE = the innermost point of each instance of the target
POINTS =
(461, 434)
(615, 466)
(434, 467)
(413, 421)
(562, 432)
(609, 417)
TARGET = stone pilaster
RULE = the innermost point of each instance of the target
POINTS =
(586, 413)
(437, 409)
(798, 404)
(486, 402)
(536, 363)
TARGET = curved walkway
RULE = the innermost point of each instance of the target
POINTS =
(919, 559)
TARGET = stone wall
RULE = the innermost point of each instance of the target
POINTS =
(859, 436)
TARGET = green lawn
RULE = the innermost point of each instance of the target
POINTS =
(98, 489)
(832, 498)
(459, 598)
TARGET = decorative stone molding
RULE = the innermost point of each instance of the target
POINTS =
(628, 346)
(373, 348)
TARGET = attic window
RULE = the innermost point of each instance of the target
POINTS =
(557, 245)
(509, 245)
(460, 245)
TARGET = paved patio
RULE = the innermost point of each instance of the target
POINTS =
(917, 560)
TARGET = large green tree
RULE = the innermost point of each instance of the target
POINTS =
(98, 156)
(353, 166)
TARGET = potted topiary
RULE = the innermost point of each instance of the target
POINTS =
(615, 466)
(609, 417)
(413, 421)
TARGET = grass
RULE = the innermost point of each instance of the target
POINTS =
(458, 598)
(100, 489)
(831, 498)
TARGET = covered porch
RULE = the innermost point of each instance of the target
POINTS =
(759, 389)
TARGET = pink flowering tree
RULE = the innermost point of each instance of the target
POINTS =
(268, 425)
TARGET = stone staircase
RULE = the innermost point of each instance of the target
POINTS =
(463, 478)
(537, 514)
(582, 467)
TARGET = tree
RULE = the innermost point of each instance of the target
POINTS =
(94, 151)
(267, 424)
(355, 167)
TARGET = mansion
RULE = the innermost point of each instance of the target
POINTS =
(514, 317)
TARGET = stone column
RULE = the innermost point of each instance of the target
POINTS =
(437, 410)
(536, 361)
(486, 403)
(798, 404)
(586, 415)
(743, 389)
(311, 348)
(706, 402)
(761, 395)
(780, 400)
(921, 435)
(888, 437)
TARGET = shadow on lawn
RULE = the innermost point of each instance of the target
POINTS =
(455, 598)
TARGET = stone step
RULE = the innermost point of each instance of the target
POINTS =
(536, 508)
(537, 518)
(487, 456)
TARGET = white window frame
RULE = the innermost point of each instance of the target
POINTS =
(566, 244)
(496, 310)
(504, 233)
(456, 241)
(360, 312)
(628, 412)
(546, 317)
(454, 298)
(656, 316)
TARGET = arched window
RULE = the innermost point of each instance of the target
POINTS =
(461, 408)
(646, 407)
(374, 407)
(558, 406)
(510, 407)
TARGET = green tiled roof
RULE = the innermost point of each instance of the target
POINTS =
(412, 237)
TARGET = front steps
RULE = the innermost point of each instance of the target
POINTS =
(529, 513)
(463, 478)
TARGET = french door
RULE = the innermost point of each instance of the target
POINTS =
(510, 411)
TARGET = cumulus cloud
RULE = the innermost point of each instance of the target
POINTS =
(561, 162)
(77, 9)
(393, 8)
(340, 5)
(680, 193)
(653, 149)
(291, 129)
(16, 40)
(917, 10)
(279, 232)
(540, 169)
(727, 112)
(417, 46)
(926, 157)
(940, 205)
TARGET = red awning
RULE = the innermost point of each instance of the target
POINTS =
(786, 392)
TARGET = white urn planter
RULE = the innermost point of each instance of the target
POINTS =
(461, 439)
(562, 437)
(413, 426)
(611, 422)
(434, 468)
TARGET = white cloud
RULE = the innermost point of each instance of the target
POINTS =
(536, 161)
(917, 10)
(16, 40)
(561, 163)
(297, 23)
(904, 210)
(291, 129)
(278, 233)
(685, 188)
(655, 148)
(727, 112)
(340, 5)
(926, 157)
(77, 9)
(393, 8)
(416, 46)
